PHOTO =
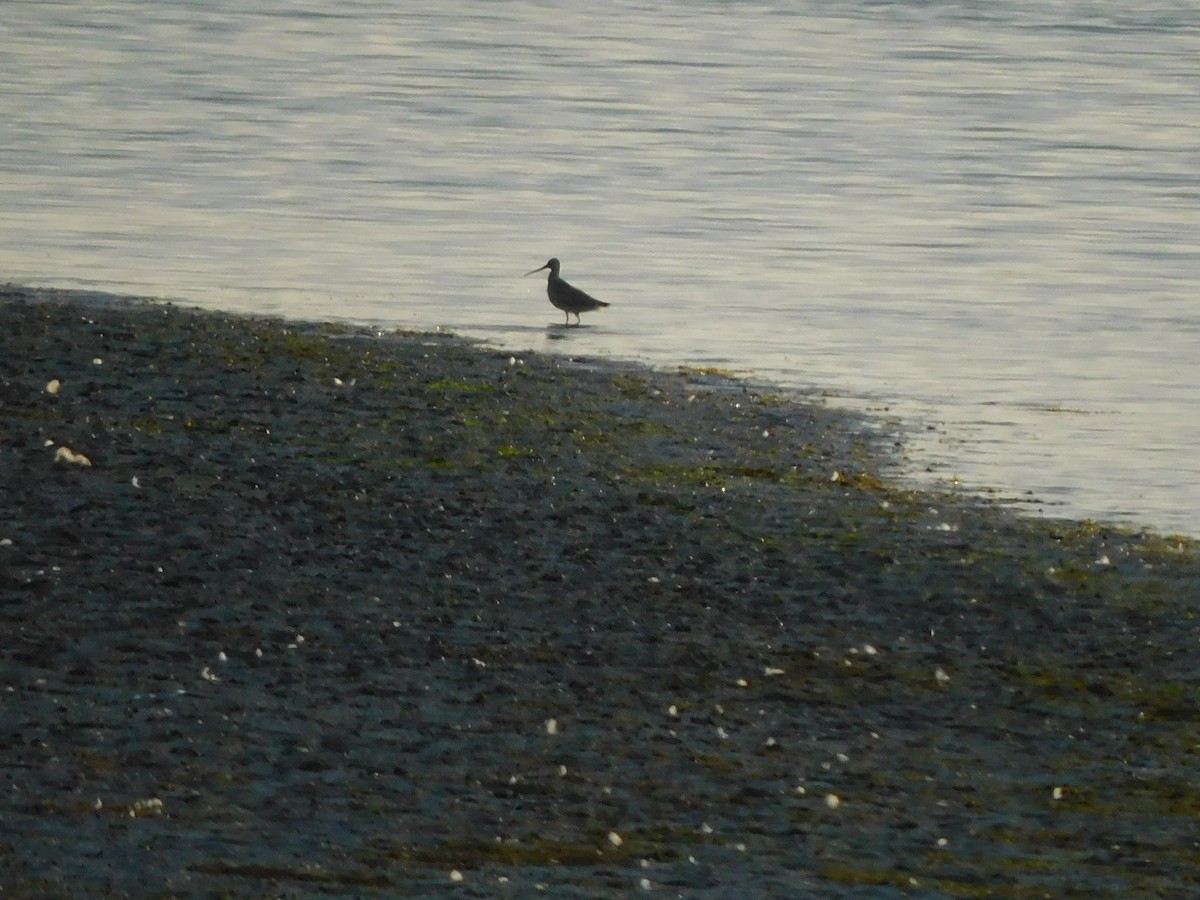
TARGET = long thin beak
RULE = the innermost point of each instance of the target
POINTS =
(538, 269)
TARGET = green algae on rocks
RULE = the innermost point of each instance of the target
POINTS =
(321, 589)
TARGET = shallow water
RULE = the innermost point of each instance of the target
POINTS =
(980, 218)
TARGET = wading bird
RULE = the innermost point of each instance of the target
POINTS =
(571, 300)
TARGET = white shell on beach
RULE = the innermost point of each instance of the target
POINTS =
(67, 455)
(151, 806)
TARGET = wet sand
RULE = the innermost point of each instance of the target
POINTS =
(297, 609)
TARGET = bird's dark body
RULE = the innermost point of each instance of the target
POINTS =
(570, 299)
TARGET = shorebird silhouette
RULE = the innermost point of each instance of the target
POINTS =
(571, 300)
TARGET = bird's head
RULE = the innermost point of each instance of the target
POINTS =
(552, 265)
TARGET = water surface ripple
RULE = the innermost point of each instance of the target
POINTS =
(982, 218)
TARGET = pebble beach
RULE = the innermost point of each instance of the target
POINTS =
(309, 609)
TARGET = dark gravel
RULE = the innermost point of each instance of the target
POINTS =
(339, 613)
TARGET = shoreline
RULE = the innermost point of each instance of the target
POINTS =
(340, 611)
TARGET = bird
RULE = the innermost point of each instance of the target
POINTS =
(570, 299)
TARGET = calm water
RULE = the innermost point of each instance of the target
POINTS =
(983, 217)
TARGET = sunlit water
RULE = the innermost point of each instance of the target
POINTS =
(982, 218)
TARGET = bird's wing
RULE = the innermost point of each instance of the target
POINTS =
(576, 297)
